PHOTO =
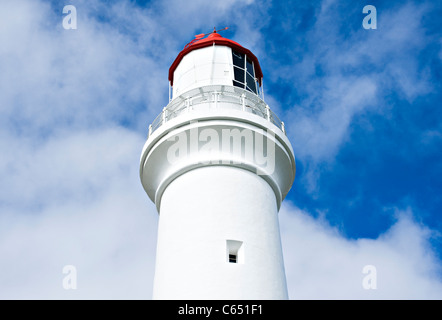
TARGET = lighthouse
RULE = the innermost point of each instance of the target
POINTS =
(217, 164)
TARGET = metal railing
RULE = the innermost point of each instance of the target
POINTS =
(216, 97)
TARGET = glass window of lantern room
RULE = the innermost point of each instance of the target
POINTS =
(250, 67)
(238, 69)
(250, 76)
(251, 84)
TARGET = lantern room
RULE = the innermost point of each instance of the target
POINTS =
(214, 60)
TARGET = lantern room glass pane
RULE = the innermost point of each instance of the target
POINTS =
(239, 69)
(251, 84)
(249, 66)
(238, 84)
(238, 59)
(239, 74)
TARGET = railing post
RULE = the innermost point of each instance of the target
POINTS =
(262, 89)
(187, 104)
(170, 95)
(268, 112)
(164, 115)
(283, 127)
(215, 98)
(150, 130)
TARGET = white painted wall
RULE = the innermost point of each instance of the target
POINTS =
(200, 210)
(201, 67)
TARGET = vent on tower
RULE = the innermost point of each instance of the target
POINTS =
(235, 251)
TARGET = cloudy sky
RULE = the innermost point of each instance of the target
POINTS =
(362, 109)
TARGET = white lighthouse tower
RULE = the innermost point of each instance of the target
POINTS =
(217, 163)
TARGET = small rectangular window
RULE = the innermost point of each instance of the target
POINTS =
(234, 251)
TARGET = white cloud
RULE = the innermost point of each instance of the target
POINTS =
(77, 200)
(320, 136)
(322, 264)
(53, 77)
(70, 191)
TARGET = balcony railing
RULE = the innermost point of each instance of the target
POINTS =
(216, 97)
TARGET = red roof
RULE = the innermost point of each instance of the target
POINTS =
(214, 38)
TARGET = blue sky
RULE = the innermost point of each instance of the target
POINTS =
(361, 108)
